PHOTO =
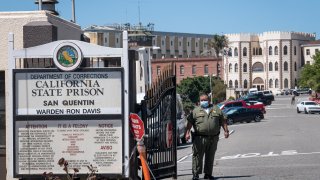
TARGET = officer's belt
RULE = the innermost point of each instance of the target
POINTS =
(204, 135)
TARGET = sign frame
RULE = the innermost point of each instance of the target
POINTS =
(62, 118)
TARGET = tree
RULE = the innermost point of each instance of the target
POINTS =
(310, 74)
(191, 88)
(218, 43)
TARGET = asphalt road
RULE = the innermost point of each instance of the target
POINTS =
(285, 145)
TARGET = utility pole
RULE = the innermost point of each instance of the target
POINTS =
(73, 12)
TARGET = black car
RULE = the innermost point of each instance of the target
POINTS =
(241, 114)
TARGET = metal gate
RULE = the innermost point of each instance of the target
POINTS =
(159, 115)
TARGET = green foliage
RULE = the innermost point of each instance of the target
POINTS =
(231, 98)
(191, 88)
(218, 43)
(310, 74)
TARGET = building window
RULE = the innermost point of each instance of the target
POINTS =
(188, 44)
(276, 66)
(254, 51)
(194, 69)
(276, 50)
(180, 43)
(244, 53)
(295, 82)
(295, 66)
(206, 69)
(307, 62)
(276, 83)
(230, 52)
(154, 42)
(286, 83)
(117, 40)
(316, 51)
(230, 84)
(171, 43)
(257, 51)
(270, 50)
(235, 52)
(162, 42)
(158, 70)
(257, 67)
(285, 66)
(308, 52)
(105, 40)
(295, 50)
(236, 67)
(245, 84)
(285, 50)
(270, 83)
(196, 44)
(181, 69)
(245, 67)
(270, 66)
(230, 67)
(260, 51)
(236, 84)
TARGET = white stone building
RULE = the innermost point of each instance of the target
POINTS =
(271, 60)
(309, 50)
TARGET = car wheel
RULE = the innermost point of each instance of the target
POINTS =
(230, 121)
(305, 111)
(257, 118)
(298, 110)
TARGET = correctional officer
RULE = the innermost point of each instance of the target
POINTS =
(206, 120)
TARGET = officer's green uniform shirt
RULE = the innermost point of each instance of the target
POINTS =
(204, 123)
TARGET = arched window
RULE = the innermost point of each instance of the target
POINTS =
(194, 69)
(254, 51)
(285, 50)
(158, 70)
(245, 84)
(276, 83)
(270, 50)
(276, 66)
(270, 83)
(181, 69)
(270, 66)
(230, 84)
(286, 83)
(295, 50)
(257, 51)
(236, 67)
(295, 66)
(245, 67)
(244, 53)
(235, 51)
(260, 51)
(230, 67)
(236, 84)
(285, 66)
(295, 82)
(276, 50)
(206, 69)
(230, 52)
(257, 67)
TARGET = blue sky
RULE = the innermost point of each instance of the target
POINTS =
(192, 16)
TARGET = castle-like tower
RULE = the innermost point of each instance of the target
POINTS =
(271, 60)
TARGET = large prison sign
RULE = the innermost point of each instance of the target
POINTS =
(75, 115)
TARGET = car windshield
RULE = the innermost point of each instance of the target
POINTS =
(310, 103)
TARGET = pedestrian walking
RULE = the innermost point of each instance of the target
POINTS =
(293, 100)
(206, 120)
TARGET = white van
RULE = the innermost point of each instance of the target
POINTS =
(253, 90)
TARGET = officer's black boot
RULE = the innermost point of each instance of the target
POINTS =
(195, 177)
(207, 176)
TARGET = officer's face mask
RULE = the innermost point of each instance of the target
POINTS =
(204, 104)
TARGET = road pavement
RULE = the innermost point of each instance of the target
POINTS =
(284, 145)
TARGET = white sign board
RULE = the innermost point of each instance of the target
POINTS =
(40, 145)
(68, 93)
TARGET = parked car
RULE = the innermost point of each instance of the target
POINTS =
(241, 103)
(279, 92)
(302, 91)
(268, 94)
(257, 97)
(241, 114)
(308, 107)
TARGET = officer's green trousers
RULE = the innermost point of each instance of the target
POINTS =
(204, 145)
